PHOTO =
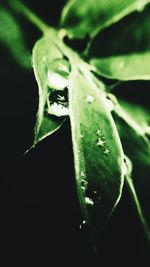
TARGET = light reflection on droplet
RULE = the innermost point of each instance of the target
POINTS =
(58, 74)
(90, 99)
(58, 110)
(106, 151)
(100, 142)
(89, 201)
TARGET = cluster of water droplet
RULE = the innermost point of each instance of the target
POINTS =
(58, 82)
(91, 195)
(101, 142)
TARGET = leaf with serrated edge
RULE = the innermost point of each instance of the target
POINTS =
(97, 151)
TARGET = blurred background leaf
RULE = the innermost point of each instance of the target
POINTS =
(123, 52)
(12, 37)
(90, 16)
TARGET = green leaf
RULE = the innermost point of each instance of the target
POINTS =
(11, 36)
(97, 150)
(91, 16)
(134, 131)
(135, 115)
(52, 75)
(125, 67)
(122, 51)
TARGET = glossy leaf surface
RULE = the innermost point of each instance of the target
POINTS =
(97, 151)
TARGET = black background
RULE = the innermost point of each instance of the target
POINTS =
(39, 211)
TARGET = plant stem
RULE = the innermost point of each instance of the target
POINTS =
(137, 205)
(25, 11)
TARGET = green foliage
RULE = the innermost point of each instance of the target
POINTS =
(45, 53)
(99, 159)
(12, 37)
(104, 129)
(91, 16)
(133, 125)
(126, 56)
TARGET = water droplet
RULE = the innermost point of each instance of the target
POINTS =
(81, 135)
(100, 142)
(83, 224)
(140, 5)
(58, 110)
(58, 103)
(58, 74)
(82, 174)
(98, 132)
(44, 59)
(90, 99)
(121, 65)
(93, 196)
(106, 151)
(89, 201)
(84, 184)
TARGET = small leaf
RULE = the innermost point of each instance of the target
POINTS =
(135, 115)
(134, 130)
(91, 16)
(52, 74)
(126, 56)
(12, 37)
(97, 151)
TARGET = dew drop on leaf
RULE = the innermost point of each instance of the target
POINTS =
(121, 65)
(83, 224)
(100, 142)
(90, 99)
(92, 196)
(98, 132)
(89, 201)
(106, 151)
(58, 103)
(82, 174)
(58, 74)
(84, 184)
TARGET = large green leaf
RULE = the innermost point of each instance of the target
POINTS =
(11, 36)
(97, 150)
(123, 52)
(124, 67)
(90, 16)
(52, 75)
